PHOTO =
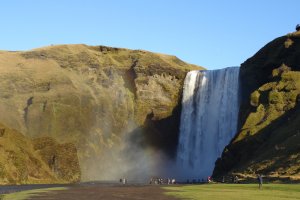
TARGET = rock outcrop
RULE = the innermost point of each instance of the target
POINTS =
(93, 97)
(268, 138)
(26, 161)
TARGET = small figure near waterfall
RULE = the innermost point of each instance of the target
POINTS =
(209, 179)
(236, 179)
(173, 181)
(260, 181)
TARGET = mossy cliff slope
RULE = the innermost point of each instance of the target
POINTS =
(92, 96)
(268, 141)
(43, 160)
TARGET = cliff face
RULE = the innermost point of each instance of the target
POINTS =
(93, 97)
(26, 161)
(268, 138)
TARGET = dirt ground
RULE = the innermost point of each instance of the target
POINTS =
(127, 192)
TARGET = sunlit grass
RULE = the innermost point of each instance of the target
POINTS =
(236, 192)
(23, 195)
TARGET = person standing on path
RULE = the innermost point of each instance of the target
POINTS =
(260, 181)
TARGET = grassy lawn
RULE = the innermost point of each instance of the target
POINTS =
(23, 195)
(236, 192)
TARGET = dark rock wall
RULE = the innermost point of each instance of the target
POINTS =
(269, 113)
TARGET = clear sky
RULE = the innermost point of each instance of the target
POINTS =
(210, 33)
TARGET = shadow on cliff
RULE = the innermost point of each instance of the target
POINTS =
(161, 135)
(262, 146)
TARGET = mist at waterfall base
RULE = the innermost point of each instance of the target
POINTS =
(130, 157)
(209, 116)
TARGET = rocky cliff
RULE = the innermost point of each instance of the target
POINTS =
(95, 97)
(26, 161)
(268, 138)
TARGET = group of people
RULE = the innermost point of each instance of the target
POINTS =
(123, 181)
(159, 181)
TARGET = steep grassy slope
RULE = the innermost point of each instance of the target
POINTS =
(268, 141)
(93, 97)
(23, 161)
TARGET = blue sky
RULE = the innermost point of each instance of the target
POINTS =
(211, 33)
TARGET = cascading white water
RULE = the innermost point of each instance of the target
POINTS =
(209, 118)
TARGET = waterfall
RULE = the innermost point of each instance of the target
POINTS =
(209, 118)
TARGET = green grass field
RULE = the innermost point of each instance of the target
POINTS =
(236, 192)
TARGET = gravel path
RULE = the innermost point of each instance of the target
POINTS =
(106, 192)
